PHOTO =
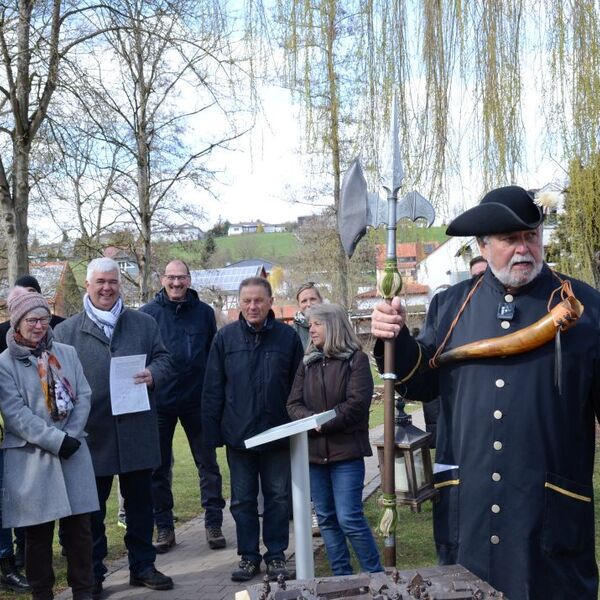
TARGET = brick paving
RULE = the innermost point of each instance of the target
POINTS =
(200, 573)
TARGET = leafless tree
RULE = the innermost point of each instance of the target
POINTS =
(79, 183)
(36, 38)
(166, 77)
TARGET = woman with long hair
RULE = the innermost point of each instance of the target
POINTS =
(335, 374)
(48, 472)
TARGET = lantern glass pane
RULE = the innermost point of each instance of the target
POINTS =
(401, 478)
(419, 468)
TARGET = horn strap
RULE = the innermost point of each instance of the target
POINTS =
(558, 319)
(433, 361)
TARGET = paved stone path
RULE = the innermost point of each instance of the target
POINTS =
(199, 572)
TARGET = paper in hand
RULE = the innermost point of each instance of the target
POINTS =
(125, 395)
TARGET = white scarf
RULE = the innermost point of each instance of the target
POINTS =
(104, 319)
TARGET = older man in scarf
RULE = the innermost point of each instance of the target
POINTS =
(126, 445)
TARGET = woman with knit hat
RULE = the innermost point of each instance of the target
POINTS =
(48, 472)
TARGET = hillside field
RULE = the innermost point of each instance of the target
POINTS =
(278, 247)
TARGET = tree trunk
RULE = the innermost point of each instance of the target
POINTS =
(143, 185)
(14, 213)
(343, 291)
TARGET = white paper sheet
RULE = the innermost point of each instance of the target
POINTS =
(125, 395)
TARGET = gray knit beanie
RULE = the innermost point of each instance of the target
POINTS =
(21, 301)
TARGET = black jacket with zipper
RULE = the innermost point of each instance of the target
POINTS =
(249, 375)
(187, 330)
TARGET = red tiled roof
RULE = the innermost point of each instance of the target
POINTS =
(414, 250)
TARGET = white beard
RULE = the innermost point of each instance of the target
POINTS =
(515, 280)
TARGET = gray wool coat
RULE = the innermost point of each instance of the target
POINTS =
(129, 442)
(38, 485)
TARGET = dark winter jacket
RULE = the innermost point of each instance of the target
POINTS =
(515, 454)
(345, 386)
(187, 330)
(249, 375)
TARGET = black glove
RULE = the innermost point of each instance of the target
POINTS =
(69, 446)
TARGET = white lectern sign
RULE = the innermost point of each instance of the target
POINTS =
(297, 432)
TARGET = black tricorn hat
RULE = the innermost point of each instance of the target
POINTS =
(502, 210)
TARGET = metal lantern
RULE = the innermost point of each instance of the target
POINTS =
(412, 461)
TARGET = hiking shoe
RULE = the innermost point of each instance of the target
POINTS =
(122, 521)
(215, 538)
(165, 540)
(152, 579)
(275, 568)
(246, 570)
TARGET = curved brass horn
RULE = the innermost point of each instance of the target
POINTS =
(563, 316)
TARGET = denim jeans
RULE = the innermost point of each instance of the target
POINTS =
(336, 491)
(273, 469)
(211, 495)
(136, 488)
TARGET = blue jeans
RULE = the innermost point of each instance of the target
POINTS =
(136, 488)
(273, 469)
(211, 495)
(336, 491)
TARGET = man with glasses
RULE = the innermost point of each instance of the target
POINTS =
(187, 326)
(126, 444)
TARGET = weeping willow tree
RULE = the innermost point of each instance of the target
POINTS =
(575, 58)
(483, 87)
(576, 244)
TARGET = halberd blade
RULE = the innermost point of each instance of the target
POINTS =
(413, 206)
(393, 175)
(377, 212)
(352, 213)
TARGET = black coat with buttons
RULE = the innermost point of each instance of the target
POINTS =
(515, 453)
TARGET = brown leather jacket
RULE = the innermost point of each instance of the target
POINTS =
(347, 387)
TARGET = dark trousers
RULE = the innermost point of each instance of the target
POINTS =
(211, 487)
(6, 534)
(136, 488)
(77, 540)
(273, 469)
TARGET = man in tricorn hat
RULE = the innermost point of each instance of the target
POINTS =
(515, 445)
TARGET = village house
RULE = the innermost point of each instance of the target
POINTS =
(254, 227)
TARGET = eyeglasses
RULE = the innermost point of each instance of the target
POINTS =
(176, 277)
(32, 322)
